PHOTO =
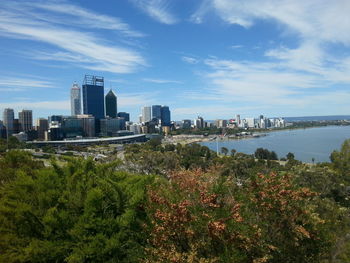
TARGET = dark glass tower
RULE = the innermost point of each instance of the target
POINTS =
(93, 96)
(111, 104)
(165, 116)
(156, 112)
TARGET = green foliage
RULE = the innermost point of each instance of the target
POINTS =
(82, 212)
(341, 159)
(265, 154)
(202, 208)
(15, 162)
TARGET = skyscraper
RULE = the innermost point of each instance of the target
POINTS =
(124, 115)
(146, 114)
(93, 96)
(8, 117)
(111, 104)
(42, 125)
(165, 116)
(75, 100)
(156, 112)
(26, 120)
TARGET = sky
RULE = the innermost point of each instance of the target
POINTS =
(213, 58)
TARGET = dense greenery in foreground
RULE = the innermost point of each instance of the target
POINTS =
(174, 204)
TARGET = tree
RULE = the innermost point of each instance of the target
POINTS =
(341, 159)
(224, 150)
(290, 156)
(233, 152)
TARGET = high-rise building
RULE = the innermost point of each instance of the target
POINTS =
(124, 115)
(16, 126)
(199, 123)
(186, 124)
(110, 126)
(75, 100)
(72, 127)
(93, 96)
(42, 127)
(88, 125)
(26, 120)
(156, 112)
(146, 114)
(165, 116)
(8, 117)
(111, 104)
(238, 120)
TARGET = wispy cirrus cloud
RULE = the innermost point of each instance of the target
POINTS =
(37, 105)
(15, 82)
(162, 81)
(83, 49)
(189, 60)
(157, 10)
(65, 13)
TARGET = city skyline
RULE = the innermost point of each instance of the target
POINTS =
(214, 58)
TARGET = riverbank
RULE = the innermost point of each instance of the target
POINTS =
(307, 144)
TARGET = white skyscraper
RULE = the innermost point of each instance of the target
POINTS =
(8, 118)
(146, 113)
(75, 100)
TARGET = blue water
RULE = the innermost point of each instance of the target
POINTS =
(317, 143)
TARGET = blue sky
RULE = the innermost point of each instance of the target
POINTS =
(214, 58)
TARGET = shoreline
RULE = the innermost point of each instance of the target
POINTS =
(194, 138)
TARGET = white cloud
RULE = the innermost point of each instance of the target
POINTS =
(83, 17)
(24, 83)
(37, 105)
(64, 13)
(236, 46)
(190, 60)
(312, 19)
(157, 9)
(135, 99)
(82, 48)
(304, 76)
(162, 81)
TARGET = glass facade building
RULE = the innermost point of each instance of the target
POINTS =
(124, 115)
(165, 116)
(111, 104)
(156, 113)
(93, 96)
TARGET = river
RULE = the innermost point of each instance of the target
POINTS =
(317, 143)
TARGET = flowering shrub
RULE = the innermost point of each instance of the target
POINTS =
(204, 217)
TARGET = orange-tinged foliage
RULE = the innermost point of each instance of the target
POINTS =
(202, 217)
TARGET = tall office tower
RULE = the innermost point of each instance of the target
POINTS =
(16, 126)
(75, 100)
(42, 125)
(124, 115)
(93, 96)
(8, 117)
(111, 104)
(156, 112)
(26, 120)
(238, 120)
(165, 116)
(199, 123)
(146, 114)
